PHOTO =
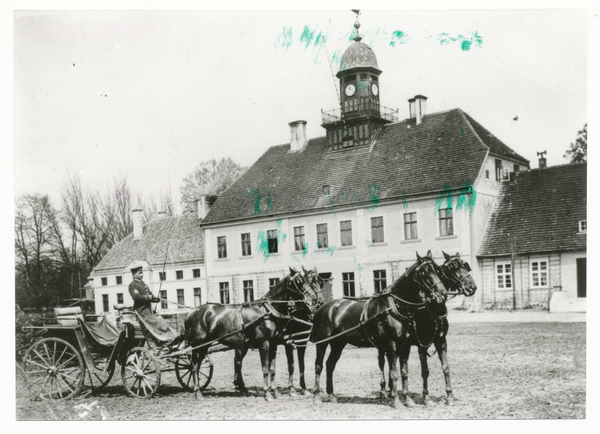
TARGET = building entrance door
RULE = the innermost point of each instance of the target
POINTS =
(327, 293)
(581, 279)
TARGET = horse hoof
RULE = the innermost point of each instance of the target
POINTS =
(409, 402)
(333, 399)
(276, 393)
(450, 400)
(396, 405)
(317, 400)
(428, 402)
(293, 393)
(306, 393)
(269, 397)
(383, 395)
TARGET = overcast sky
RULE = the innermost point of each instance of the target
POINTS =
(150, 94)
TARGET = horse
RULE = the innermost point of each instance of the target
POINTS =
(430, 326)
(258, 324)
(300, 328)
(381, 321)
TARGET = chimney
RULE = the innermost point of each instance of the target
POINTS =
(297, 135)
(138, 227)
(417, 108)
(542, 160)
(204, 204)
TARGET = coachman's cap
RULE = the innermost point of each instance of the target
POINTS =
(135, 269)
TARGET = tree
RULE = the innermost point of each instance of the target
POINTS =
(209, 177)
(577, 152)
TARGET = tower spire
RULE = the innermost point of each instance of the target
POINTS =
(357, 38)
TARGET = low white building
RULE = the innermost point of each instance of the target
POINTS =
(172, 249)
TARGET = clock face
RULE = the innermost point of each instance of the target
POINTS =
(375, 89)
(350, 89)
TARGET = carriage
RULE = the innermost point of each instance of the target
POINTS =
(75, 351)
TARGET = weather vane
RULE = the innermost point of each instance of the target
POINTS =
(356, 24)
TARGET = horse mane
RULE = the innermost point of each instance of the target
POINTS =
(409, 272)
(277, 289)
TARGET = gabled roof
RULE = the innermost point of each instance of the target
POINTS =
(180, 235)
(541, 208)
(443, 151)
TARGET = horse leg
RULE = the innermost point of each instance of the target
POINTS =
(197, 358)
(301, 353)
(442, 348)
(238, 379)
(289, 354)
(321, 349)
(425, 374)
(381, 359)
(272, 365)
(264, 360)
(393, 367)
(404, 354)
(334, 356)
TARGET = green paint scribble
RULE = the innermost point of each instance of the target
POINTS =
(254, 195)
(462, 133)
(444, 194)
(464, 202)
(357, 265)
(311, 37)
(262, 241)
(398, 37)
(305, 249)
(284, 39)
(271, 198)
(374, 191)
(404, 201)
(466, 42)
(325, 250)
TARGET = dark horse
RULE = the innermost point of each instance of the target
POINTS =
(382, 321)
(259, 324)
(430, 326)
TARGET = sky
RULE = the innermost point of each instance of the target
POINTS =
(151, 94)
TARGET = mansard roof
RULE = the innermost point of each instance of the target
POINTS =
(445, 151)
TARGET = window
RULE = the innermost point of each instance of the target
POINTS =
(179, 274)
(104, 281)
(379, 278)
(246, 245)
(196, 272)
(322, 239)
(377, 229)
(346, 233)
(299, 238)
(516, 168)
(120, 298)
(105, 302)
(224, 292)
(583, 226)
(348, 283)
(487, 174)
(410, 226)
(539, 274)
(503, 276)
(163, 299)
(180, 298)
(272, 241)
(505, 174)
(162, 275)
(248, 291)
(119, 280)
(446, 226)
(222, 247)
(273, 282)
(326, 190)
(197, 297)
(498, 170)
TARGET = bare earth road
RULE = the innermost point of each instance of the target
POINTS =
(523, 365)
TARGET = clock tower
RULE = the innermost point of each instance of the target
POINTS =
(357, 121)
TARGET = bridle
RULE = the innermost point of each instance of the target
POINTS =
(431, 294)
(457, 282)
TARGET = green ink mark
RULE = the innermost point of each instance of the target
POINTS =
(463, 201)
(398, 37)
(466, 45)
(284, 39)
(305, 250)
(254, 195)
(404, 201)
(262, 244)
(271, 200)
(466, 42)
(462, 133)
(374, 191)
(445, 193)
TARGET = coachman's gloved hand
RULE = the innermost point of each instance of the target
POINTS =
(155, 299)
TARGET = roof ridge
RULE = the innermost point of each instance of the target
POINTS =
(464, 115)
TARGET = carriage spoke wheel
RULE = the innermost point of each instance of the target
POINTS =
(184, 370)
(141, 373)
(53, 369)
(101, 375)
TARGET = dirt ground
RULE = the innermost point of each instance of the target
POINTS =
(499, 371)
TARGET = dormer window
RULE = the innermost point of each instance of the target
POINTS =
(583, 226)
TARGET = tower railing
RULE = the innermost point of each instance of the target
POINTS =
(335, 115)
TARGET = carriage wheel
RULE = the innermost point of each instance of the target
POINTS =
(141, 373)
(53, 368)
(101, 374)
(184, 370)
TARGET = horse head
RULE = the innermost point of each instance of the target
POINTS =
(317, 283)
(426, 274)
(304, 289)
(456, 275)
